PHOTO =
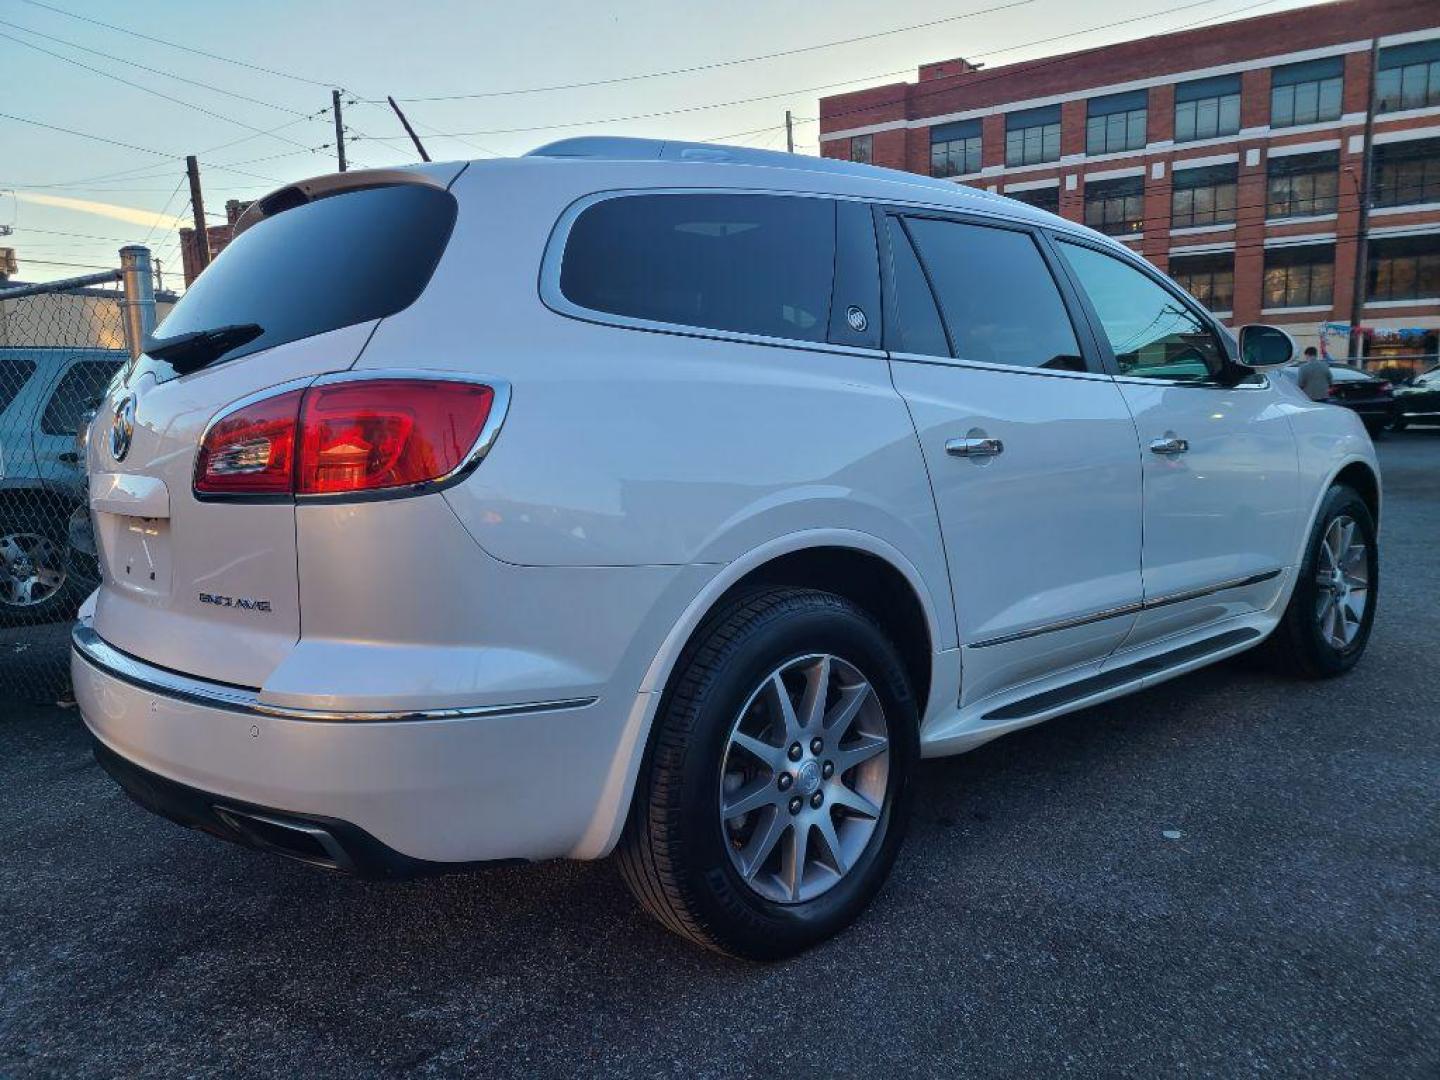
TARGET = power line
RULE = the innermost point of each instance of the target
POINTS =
(127, 146)
(147, 90)
(849, 82)
(1026, 67)
(725, 63)
(183, 48)
(151, 70)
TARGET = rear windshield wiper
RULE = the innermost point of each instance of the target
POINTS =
(192, 351)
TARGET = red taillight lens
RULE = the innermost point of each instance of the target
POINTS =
(251, 451)
(383, 433)
(344, 437)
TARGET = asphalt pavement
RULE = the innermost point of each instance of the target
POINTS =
(1230, 875)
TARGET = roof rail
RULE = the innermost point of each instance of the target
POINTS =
(622, 148)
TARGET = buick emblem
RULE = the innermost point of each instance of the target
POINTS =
(122, 428)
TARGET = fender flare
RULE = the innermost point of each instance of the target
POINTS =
(1282, 600)
(608, 821)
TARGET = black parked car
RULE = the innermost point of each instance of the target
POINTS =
(1371, 397)
(1417, 400)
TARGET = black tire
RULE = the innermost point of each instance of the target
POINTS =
(51, 526)
(674, 853)
(1400, 423)
(1377, 429)
(1297, 646)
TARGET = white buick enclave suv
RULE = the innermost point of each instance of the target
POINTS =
(675, 500)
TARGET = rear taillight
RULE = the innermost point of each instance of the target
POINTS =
(252, 450)
(352, 436)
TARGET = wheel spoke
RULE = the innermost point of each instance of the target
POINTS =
(23, 590)
(847, 757)
(773, 756)
(852, 800)
(752, 796)
(852, 698)
(831, 838)
(762, 843)
(792, 860)
(1354, 612)
(817, 689)
(786, 708)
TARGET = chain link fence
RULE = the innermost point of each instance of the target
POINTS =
(59, 347)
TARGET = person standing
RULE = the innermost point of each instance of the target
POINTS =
(1314, 375)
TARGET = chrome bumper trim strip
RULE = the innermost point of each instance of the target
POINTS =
(108, 660)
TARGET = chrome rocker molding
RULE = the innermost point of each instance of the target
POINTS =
(107, 659)
(1129, 609)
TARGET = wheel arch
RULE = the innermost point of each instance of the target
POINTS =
(1366, 482)
(863, 568)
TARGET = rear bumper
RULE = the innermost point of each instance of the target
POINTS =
(309, 838)
(395, 795)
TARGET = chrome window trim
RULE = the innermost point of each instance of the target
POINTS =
(1128, 609)
(554, 299)
(108, 660)
(986, 365)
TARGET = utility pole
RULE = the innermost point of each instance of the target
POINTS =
(1362, 229)
(789, 133)
(339, 128)
(197, 204)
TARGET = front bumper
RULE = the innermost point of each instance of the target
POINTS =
(394, 794)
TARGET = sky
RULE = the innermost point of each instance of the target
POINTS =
(246, 87)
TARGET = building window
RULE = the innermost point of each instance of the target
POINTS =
(1116, 207)
(1404, 268)
(1116, 123)
(1207, 108)
(1208, 278)
(1307, 93)
(1045, 198)
(1300, 276)
(1302, 185)
(1032, 136)
(1409, 77)
(861, 148)
(1204, 196)
(955, 148)
(1406, 173)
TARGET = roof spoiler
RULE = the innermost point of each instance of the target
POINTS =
(320, 187)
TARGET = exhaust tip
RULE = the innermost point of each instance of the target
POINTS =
(302, 841)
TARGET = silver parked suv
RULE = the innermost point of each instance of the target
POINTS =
(677, 499)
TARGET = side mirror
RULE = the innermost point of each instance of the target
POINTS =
(1264, 346)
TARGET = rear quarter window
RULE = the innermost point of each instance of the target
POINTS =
(80, 389)
(338, 261)
(753, 264)
(14, 374)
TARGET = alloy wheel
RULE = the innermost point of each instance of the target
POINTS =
(804, 778)
(1343, 582)
(32, 569)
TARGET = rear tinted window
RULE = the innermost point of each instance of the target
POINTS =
(998, 299)
(1349, 374)
(335, 262)
(79, 391)
(14, 374)
(757, 264)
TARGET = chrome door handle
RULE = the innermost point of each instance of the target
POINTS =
(975, 448)
(1169, 445)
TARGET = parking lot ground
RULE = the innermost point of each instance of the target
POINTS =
(1228, 875)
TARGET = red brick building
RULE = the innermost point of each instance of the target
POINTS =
(1230, 155)
(220, 235)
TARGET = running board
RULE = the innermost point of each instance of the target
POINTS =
(1109, 680)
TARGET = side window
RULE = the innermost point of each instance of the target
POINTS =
(998, 299)
(917, 321)
(80, 388)
(756, 264)
(14, 374)
(1153, 334)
